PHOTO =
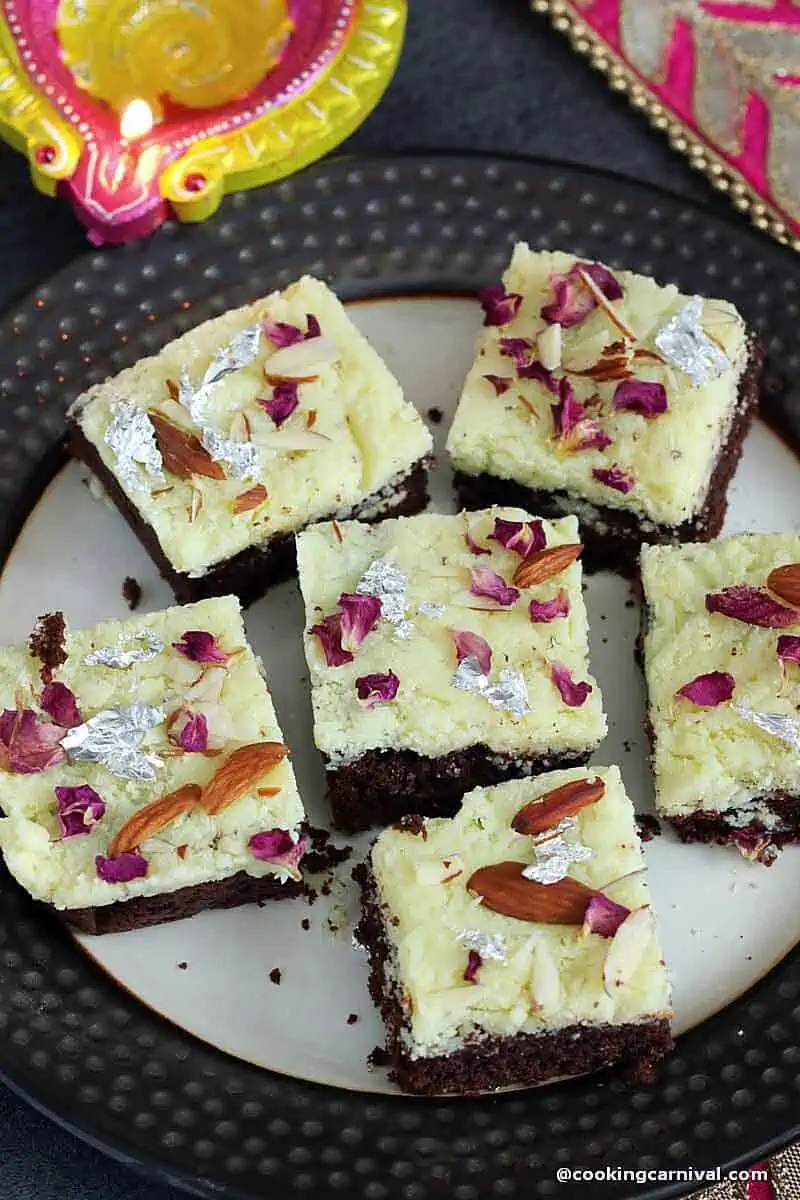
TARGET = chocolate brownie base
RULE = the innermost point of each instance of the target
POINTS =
(493, 1061)
(733, 827)
(612, 538)
(382, 786)
(250, 573)
(141, 911)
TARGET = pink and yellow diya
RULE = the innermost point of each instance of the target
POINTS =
(137, 109)
(721, 78)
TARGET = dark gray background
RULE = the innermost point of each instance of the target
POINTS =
(479, 74)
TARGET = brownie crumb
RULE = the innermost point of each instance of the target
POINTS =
(379, 1057)
(351, 1020)
(131, 592)
(630, 602)
(325, 889)
(649, 826)
(275, 975)
(626, 746)
(414, 824)
(182, 966)
(311, 895)
(47, 643)
(436, 415)
(305, 923)
(321, 855)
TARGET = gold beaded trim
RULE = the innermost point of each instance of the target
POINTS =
(621, 78)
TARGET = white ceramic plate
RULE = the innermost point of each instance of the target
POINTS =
(724, 922)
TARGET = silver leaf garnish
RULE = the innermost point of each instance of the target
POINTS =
(133, 439)
(554, 854)
(386, 581)
(434, 611)
(509, 693)
(115, 656)
(240, 352)
(685, 344)
(113, 738)
(777, 724)
(488, 945)
(241, 458)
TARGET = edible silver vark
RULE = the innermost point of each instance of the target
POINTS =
(113, 739)
(115, 656)
(488, 945)
(509, 693)
(555, 855)
(239, 352)
(386, 581)
(434, 611)
(685, 344)
(133, 439)
(241, 458)
(780, 726)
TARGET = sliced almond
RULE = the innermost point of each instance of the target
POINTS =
(240, 773)
(182, 452)
(627, 948)
(240, 429)
(784, 582)
(195, 505)
(565, 801)
(613, 316)
(546, 564)
(302, 359)
(208, 687)
(311, 418)
(293, 439)
(337, 531)
(154, 817)
(545, 980)
(173, 390)
(250, 499)
(275, 380)
(504, 889)
(548, 347)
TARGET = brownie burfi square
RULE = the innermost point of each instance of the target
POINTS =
(609, 396)
(143, 775)
(515, 942)
(721, 654)
(444, 652)
(246, 429)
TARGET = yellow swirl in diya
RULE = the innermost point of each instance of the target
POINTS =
(199, 54)
(226, 94)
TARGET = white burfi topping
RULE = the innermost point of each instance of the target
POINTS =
(351, 434)
(238, 710)
(429, 715)
(669, 456)
(714, 758)
(547, 976)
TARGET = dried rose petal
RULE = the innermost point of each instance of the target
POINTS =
(329, 632)
(535, 370)
(636, 396)
(470, 644)
(78, 809)
(282, 403)
(189, 730)
(789, 648)
(200, 646)
(753, 606)
(474, 962)
(486, 582)
(123, 868)
(276, 846)
(573, 694)
(542, 611)
(517, 349)
(473, 546)
(59, 703)
(28, 744)
(572, 301)
(573, 428)
(614, 477)
(360, 615)
(499, 306)
(500, 383)
(604, 916)
(523, 537)
(707, 691)
(281, 333)
(313, 327)
(378, 688)
(755, 846)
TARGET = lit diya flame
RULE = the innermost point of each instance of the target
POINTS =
(135, 111)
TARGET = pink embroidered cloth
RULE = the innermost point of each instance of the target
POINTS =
(723, 78)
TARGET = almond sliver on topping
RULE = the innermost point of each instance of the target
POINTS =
(548, 345)
(303, 359)
(627, 949)
(545, 982)
(293, 439)
(153, 818)
(241, 772)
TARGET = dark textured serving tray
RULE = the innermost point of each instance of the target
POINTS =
(87, 1052)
